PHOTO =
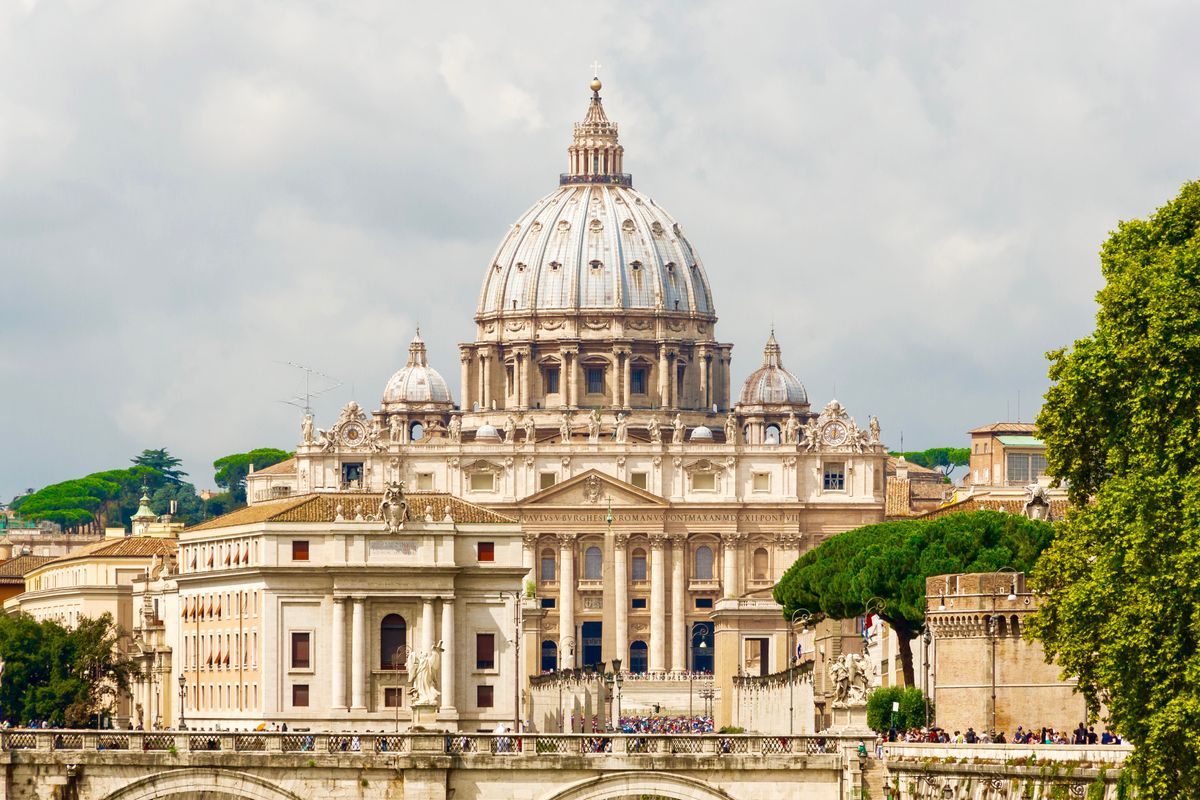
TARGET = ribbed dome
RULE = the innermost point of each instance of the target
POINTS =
(771, 384)
(595, 242)
(701, 433)
(417, 386)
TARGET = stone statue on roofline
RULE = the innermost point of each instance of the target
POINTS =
(306, 429)
(678, 430)
(655, 430)
(422, 673)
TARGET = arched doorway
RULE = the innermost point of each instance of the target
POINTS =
(638, 661)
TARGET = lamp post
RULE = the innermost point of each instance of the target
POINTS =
(701, 630)
(397, 661)
(567, 645)
(516, 599)
(799, 615)
(182, 689)
(616, 713)
(926, 638)
(992, 631)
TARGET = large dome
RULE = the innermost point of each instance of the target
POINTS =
(592, 246)
(417, 386)
(771, 384)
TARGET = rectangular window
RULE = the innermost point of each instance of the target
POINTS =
(484, 696)
(393, 697)
(352, 474)
(595, 380)
(762, 481)
(487, 551)
(512, 384)
(301, 658)
(300, 695)
(638, 603)
(640, 479)
(551, 380)
(637, 380)
(483, 482)
(704, 602)
(485, 651)
(704, 482)
(546, 480)
(425, 481)
(299, 550)
(835, 476)
(548, 602)
(1024, 468)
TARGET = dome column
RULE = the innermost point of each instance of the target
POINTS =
(618, 357)
(464, 358)
(570, 361)
(627, 367)
(485, 380)
(705, 394)
(664, 378)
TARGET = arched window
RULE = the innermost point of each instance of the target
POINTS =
(637, 657)
(639, 564)
(1001, 626)
(547, 572)
(761, 564)
(702, 657)
(593, 564)
(772, 434)
(704, 563)
(549, 656)
(393, 642)
(416, 432)
(1016, 627)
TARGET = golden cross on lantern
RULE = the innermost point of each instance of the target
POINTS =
(596, 69)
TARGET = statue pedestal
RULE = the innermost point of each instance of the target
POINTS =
(849, 719)
(424, 715)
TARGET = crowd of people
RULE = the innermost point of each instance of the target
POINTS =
(1082, 735)
(666, 725)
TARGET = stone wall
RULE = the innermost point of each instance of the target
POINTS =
(778, 703)
(557, 699)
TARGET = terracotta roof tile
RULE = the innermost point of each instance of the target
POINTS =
(896, 498)
(15, 569)
(1008, 427)
(125, 547)
(287, 467)
(322, 507)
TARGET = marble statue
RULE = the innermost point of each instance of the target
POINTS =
(791, 429)
(851, 675)
(564, 426)
(873, 425)
(812, 435)
(621, 434)
(731, 429)
(306, 429)
(655, 431)
(678, 430)
(593, 425)
(455, 429)
(510, 429)
(393, 509)
(530, 429)
(396, 429)
(422, 674)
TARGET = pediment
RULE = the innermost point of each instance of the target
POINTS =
(593, 488)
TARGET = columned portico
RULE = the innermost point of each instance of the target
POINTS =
(621, 581)
(448, 648)
(729, 557)
(337, 653)
(358, 657)
(678, 594)
(658, 605)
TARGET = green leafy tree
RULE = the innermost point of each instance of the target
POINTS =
(947, 459)
(162, 461)
(912, 708)
(1122, 582)
(891, 561)
(231, 470)
(189, 508)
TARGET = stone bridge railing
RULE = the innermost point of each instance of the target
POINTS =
(428, 742)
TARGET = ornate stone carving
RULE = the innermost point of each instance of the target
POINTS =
(639, 324)
(566, 538)
(620, 462)
(393, 509)
(791, 429)
(658, 542)
(656, 461)
(423, 673)
(510, 429)
(593, 602)
(592, 488)
(530, 461)
(677, 430)
(306, 429)
(566, 462)
(731, 429)
(593, 427)
(620, 540)
(530, 540)
(654, 429)
(621, 433)
(873, 426)
(564, 427)
(530, 429)
(851, 675)
(597, 323)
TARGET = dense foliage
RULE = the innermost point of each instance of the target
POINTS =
(911, 714)
(943, 458)
(64, 676)
(231, 470)
(1121, 423)
(892, 560)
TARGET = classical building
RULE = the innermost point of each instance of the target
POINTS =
(657, 506)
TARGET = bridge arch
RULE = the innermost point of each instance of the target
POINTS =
(620, 785)
(192, 783)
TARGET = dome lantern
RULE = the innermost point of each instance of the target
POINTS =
(418, 386)
(595, 155)
(771, 385)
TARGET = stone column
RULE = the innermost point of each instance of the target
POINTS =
(627, 383)
(664, 383)
(678, 610)
(616, 380)
(705, 399)
(729, 559)
(566, 600)
(485, 389)
(465, 381)
(520, 365)
(448, 698)
(570, 367)
(658, 603)
(358, 657)
(621, 584)
(337, 651)
(427, 623)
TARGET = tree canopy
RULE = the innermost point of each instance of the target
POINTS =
(944, 458)
(912, 713)
(891, 561)
(231, 470)
(1120, 423)
(65, 676)
(162, 461)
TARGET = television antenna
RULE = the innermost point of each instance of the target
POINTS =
(304, 402)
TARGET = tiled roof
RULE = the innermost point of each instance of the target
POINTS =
(322, 507)
(125, 547)
(1015, 505)
(1007, 427)
(15, 569)
(287, 467)
(915, 471)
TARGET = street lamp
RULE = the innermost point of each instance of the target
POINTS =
(926, 638)
(516, 599)
(182, 688)
(616, 699)
(799, 615)
(397, 662)
(701, 630)
(992, 631)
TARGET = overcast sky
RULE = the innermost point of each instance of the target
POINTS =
(193, 193)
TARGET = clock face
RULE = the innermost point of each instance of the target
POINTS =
(354, 433)
(834, 433)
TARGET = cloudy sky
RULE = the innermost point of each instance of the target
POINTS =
(192, 194)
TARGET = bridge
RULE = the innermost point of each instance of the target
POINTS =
(194, 765)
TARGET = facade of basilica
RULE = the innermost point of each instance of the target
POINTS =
(596, 461)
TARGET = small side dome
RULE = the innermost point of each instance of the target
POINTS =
(487, 433)
(771, 384)
(701, 433)
(417, 386)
